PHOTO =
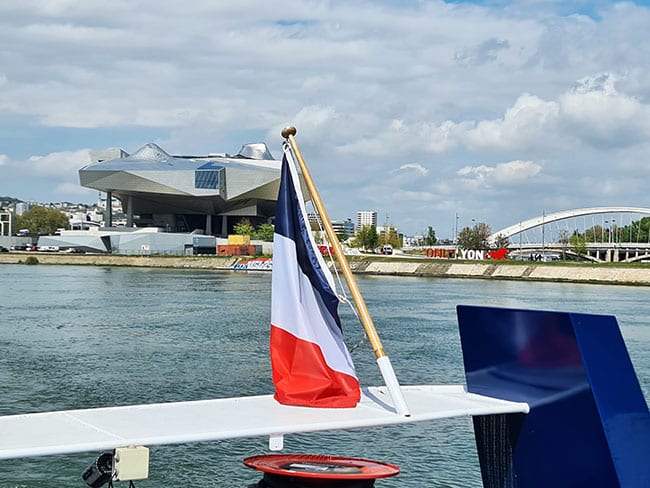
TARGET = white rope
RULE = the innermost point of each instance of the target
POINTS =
(339, 290)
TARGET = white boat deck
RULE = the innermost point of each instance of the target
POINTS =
(72, 431)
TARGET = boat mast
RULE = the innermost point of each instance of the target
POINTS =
(383, 361)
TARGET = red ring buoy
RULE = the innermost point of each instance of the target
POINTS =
(321, 467)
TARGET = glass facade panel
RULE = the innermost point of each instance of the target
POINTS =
(206, 179)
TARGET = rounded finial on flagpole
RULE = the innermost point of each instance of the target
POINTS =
(288, 131)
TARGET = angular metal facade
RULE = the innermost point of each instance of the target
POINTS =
(188, 193)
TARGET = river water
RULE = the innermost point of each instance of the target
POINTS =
(77, 337)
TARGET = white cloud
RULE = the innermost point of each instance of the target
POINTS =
(516, 171)
(62, 164)
(502, 174)
(592, 114)
(601, 115)
(370, 86)
(418, 168)
(475, 177)
(3, 159)
(487, 51)
(523, 125)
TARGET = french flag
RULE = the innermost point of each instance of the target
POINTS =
(311, 364)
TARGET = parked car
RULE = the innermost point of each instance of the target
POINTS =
(3, 249)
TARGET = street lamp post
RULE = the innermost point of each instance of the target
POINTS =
(543, 243)
(474, 235)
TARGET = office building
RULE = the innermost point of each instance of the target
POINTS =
(366, 217)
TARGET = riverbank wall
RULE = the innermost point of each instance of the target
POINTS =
(578, 273)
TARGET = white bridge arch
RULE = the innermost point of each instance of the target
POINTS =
(565, 214)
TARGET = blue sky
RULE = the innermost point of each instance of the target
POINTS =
(493, 110)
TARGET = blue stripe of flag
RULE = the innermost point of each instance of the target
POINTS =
(290, 223)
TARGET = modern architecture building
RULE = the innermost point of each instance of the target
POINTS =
(200, 194)
(366, 217)
(343, 227)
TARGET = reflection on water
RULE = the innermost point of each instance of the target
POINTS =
(73, 337)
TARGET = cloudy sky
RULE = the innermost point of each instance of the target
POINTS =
(422, 110)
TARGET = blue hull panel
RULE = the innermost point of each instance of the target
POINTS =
(589, 424)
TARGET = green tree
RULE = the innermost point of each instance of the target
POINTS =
(501, 241)
(42, 220)
(244, 228)
(563, 237)
(390, 236)
(578, 244)
(595, 233)
(430, 237)
(372, 238)
(475, 237)
(342, 236)
(642, 230)
(367, 237)
(264, 232)
(644, 234)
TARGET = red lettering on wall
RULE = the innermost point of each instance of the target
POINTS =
(498, 255)
(432, 252)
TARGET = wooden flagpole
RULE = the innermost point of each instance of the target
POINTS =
(387, 371)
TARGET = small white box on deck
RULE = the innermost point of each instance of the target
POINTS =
(131, 463)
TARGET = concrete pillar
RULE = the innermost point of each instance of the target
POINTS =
(224, 226)
(208, 225)
(108, 216)
(129, 211)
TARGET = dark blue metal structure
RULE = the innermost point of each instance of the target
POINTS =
(588, 425)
